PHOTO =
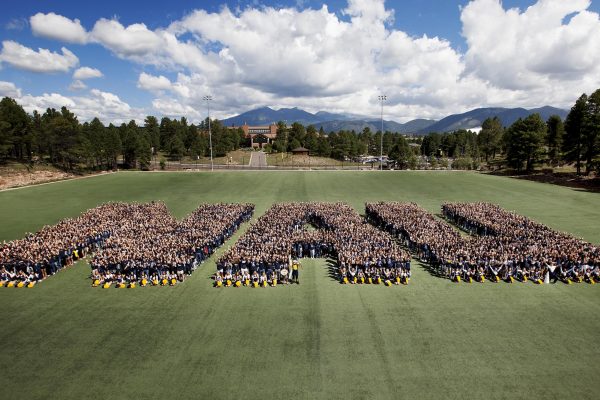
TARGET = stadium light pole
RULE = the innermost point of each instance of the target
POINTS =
(381, 98)
(208, 99)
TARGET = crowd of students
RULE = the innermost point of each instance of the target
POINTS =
(152, 247)
(567, 258)
(24, 262)
(132, 243)
(270, 249)
(143, 244)
(512, 248)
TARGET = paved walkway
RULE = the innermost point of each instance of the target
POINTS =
(258, 159)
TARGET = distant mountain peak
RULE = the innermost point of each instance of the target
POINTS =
(332, 122)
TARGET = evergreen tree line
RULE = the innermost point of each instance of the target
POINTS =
(58, 137)
(341, 145)
(529, 141)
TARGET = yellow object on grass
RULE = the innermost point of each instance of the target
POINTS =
(106, 285)
(122, 286)
(20, 284)
(132, 285)
(31, 284)
(238, 283)
(10, 284)
(173, 281)
(96, 282)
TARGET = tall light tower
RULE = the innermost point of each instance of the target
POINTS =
(381, 98)
(208, 99)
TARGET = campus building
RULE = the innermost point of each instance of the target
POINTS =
(259, 135)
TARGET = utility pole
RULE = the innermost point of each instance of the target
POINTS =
(381, 98)
(208, 99)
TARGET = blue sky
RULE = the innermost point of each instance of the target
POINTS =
(430, 57)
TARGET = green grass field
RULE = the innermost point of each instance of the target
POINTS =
(64, 339)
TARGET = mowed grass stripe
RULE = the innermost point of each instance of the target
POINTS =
(430, 339)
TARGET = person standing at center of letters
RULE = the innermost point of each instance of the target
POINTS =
(295, 271)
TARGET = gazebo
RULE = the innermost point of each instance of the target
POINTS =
(300, 151)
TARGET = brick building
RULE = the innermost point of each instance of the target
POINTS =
(259, 135)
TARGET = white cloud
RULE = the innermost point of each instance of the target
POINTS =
(311, 58)
(57, 27)
(42, 60)
(87, 73)
(173, 108)
(369, 10)
(106, 106)
(8, 89)
(46, 100)
(135, 40)
(153, 83)
(538, 48)
(318, 61)
(77, 85)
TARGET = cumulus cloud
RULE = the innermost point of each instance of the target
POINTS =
(153, 83)
(134, 40)
(87, 73)
(535, 48)
(58, 27)
(173, 108)
(312, 58)
(106, 106)
(8, 89)
(45, 101)
(318, 61)
(77, 85)
(42, 60)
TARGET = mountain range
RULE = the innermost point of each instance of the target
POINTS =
(331, 122)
